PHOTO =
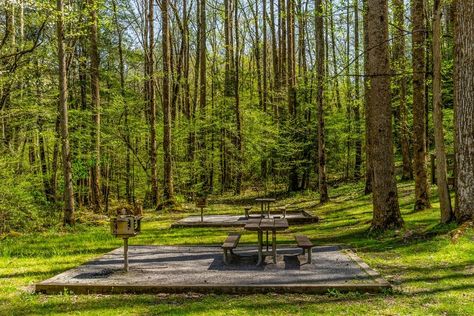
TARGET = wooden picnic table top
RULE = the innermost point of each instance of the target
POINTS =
(267, 224)
(265, 200)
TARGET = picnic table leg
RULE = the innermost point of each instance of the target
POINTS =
(260, 255)
(268, 210)
(262, 213)
(274, 246)
(267, 240)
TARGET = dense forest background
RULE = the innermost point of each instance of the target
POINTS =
(170, 100)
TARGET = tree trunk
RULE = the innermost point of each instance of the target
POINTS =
(167, 161)
(128, 192)
(275, 57)
(464, 109)
(358, 133)
(238, 182)
(291, 90)
(63, 111)
(334, 59)
(319, 23)
(264, 57)
(419, 131)
(95, 91)
(150, 91)
(401, 83)
(386, 210)
(441, 169)
(369, 171)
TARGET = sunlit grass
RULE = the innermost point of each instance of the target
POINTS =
(431, 273)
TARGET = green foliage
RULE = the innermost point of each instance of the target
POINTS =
(23, 206)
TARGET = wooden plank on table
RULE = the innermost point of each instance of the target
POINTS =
(252, 224)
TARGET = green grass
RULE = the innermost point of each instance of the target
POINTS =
(432, 272)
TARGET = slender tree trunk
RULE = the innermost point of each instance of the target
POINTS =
(291, 91)
(319, 22)
(464, 109)
(441, 169)
(334, 59)
(386, 210)
(63, 111)
(238, 182)
(357, 119)
(369, 170)
(419, 131)
(258, 60)
(283, 46)
(167, 161)
(264, 57)
(349, 101)
(128, 192)
(150, 60)
(275, 57)
(204, 163)
(95, 91)
(401, 84)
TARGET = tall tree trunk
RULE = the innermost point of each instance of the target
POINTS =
(419, 131)
(386, 210)
(238, 181)
(150, 90)
(128, 192)
(283, 49)
(369, 170)
(204, 170)
(319, 23)
(95, 91)
(441, 169)
(258, 60)
(167, 161)
(275, 57)
(401, 83)
(349, 101)
(464, 109)
(291, 91)
(334, 59)
(358, 133)
(63, 112)
(264, 57)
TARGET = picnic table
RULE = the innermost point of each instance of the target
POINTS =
(265, 225)
(265, 205)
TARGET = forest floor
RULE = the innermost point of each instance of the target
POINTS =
(431, 266)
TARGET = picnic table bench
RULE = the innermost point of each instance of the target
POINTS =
(303, 242)
(229, 245)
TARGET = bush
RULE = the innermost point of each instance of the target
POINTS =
(22, 203)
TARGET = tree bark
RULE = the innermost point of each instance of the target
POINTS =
(357, 118)
(401, 83)
(119, 31)
(386, 210)
(238, 181)
(419, 107)
(68, 218)
(319, 23)
(441, 169)
(368, 143)
(464, 109)
(150, 91)
(167, 161)
(95, 91)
